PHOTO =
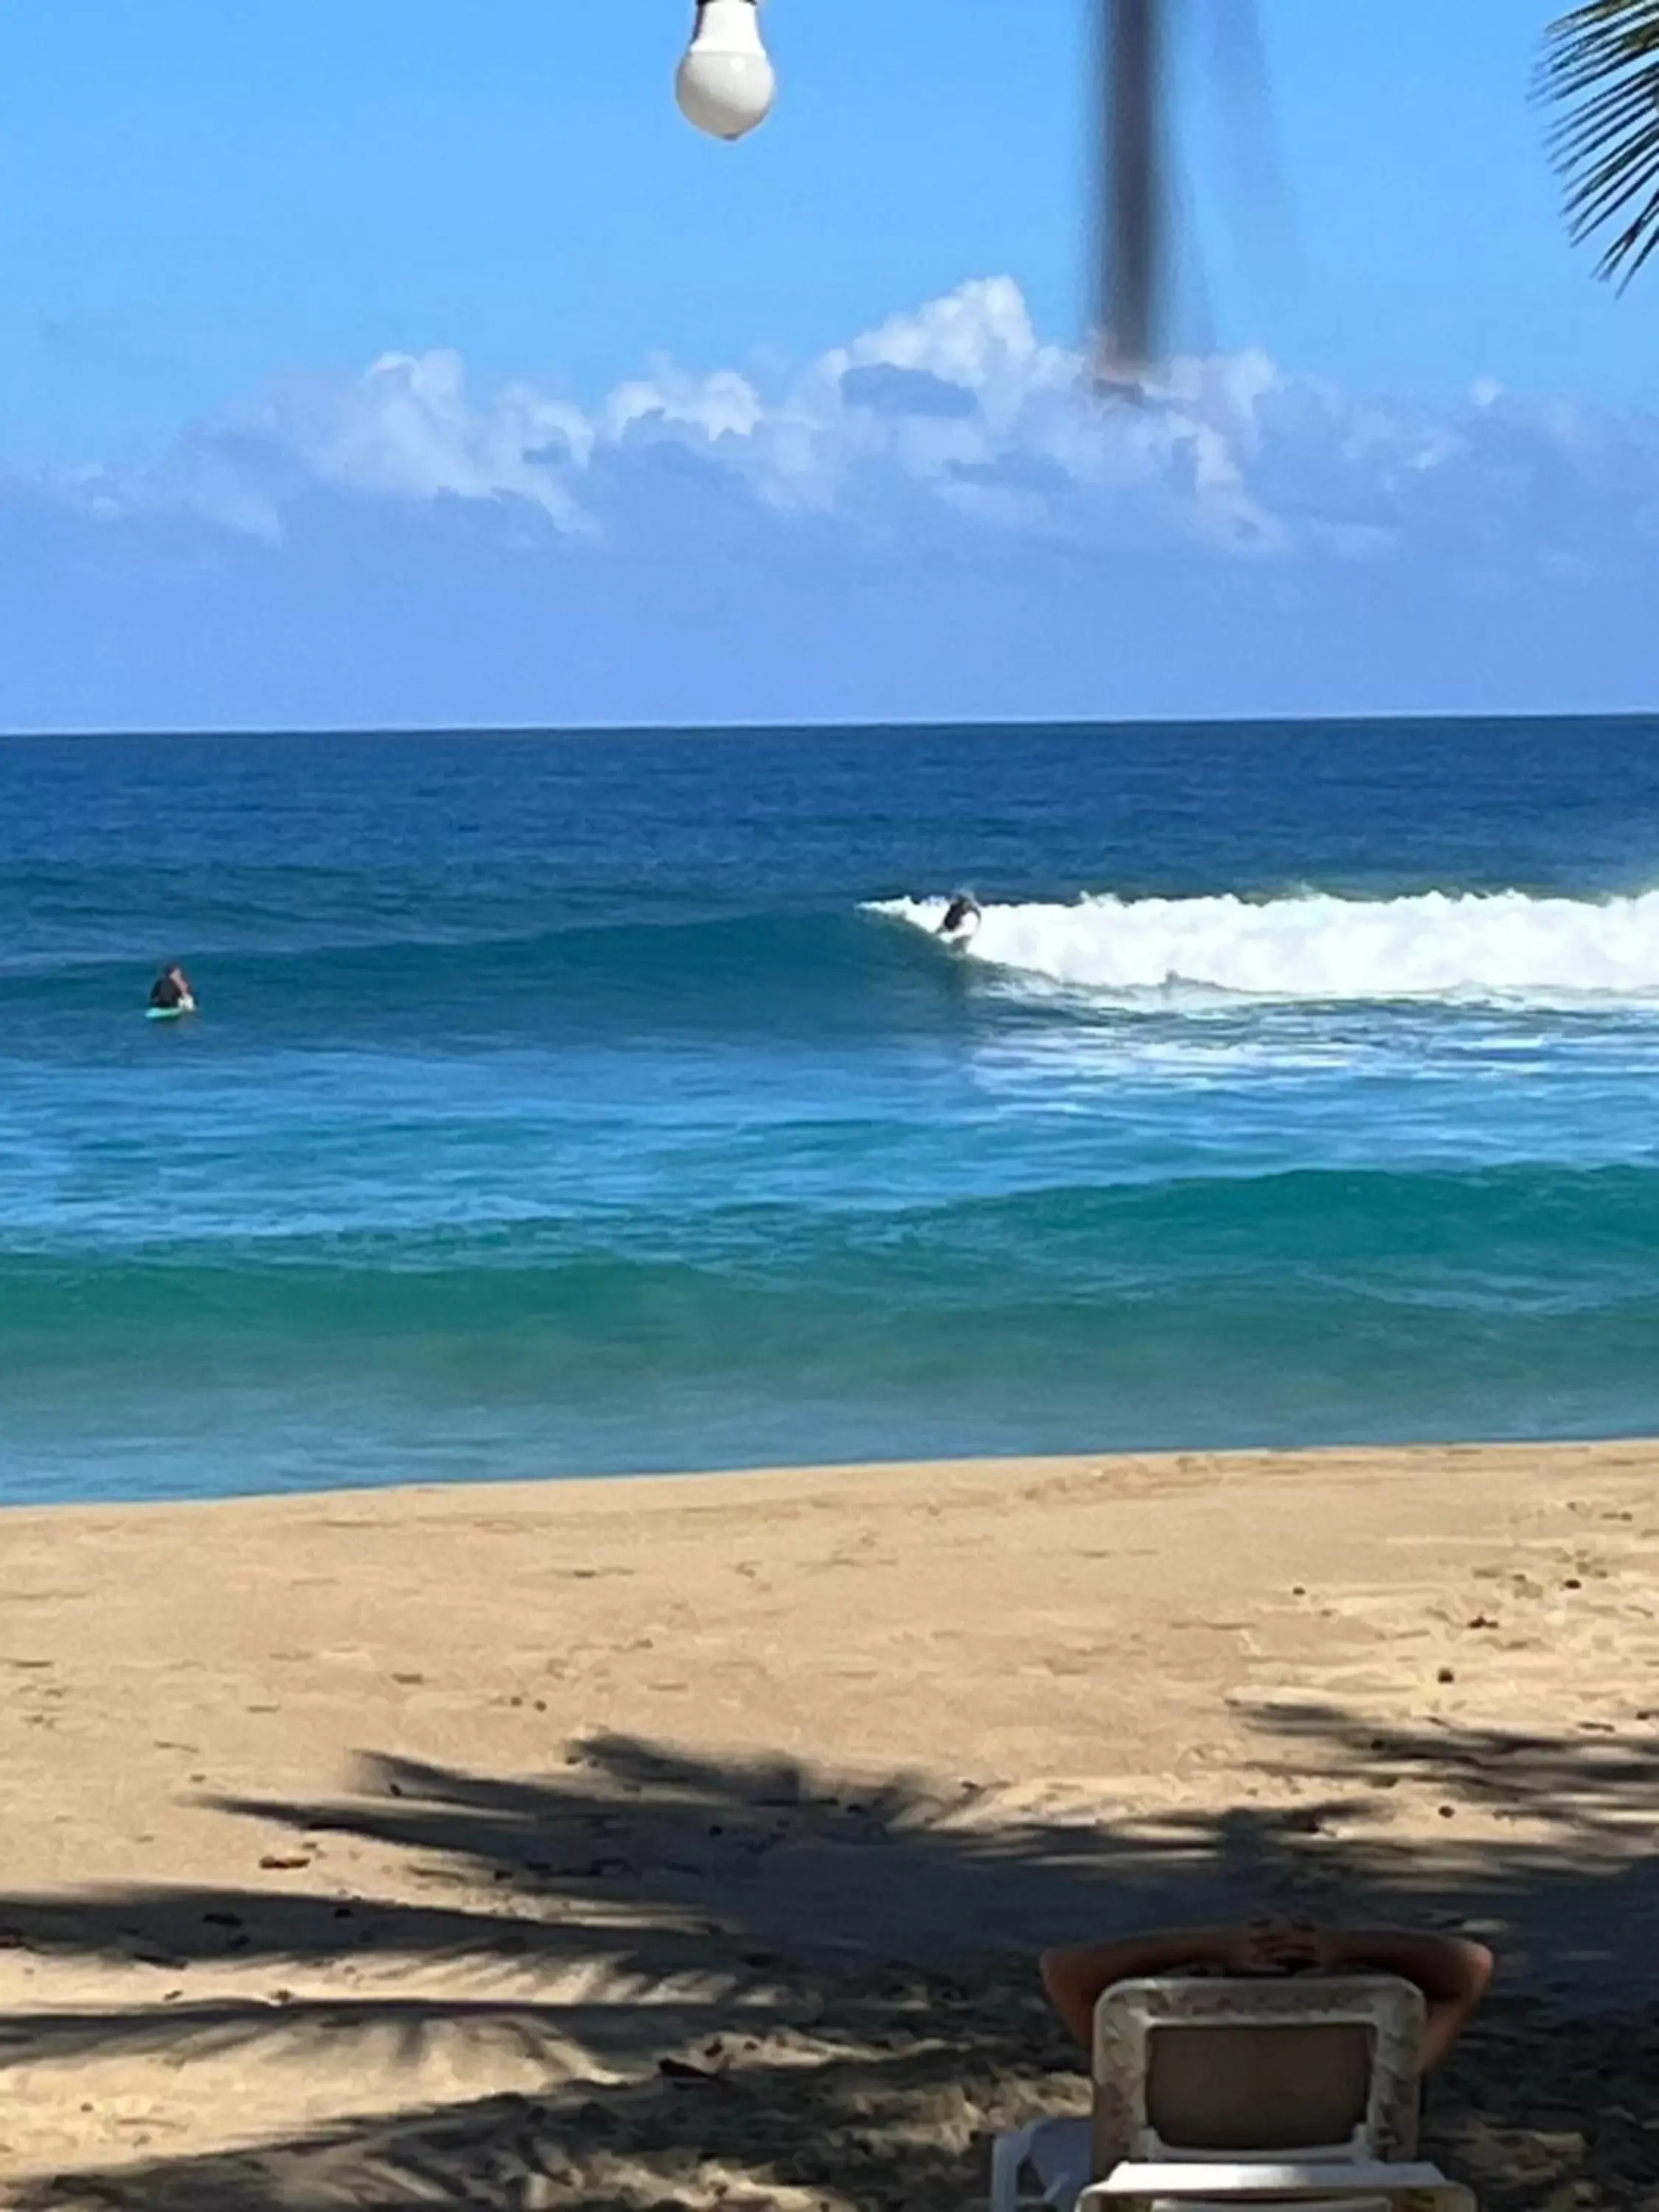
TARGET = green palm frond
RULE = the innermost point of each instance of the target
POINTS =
(1601, 67)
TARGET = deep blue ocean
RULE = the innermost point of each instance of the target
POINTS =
(595, 1104)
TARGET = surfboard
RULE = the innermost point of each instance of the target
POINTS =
(167, 1013)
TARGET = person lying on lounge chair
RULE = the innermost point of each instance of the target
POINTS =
(1451, 1972)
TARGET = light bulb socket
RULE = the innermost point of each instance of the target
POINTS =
(727, 27)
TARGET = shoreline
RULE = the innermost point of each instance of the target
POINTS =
(589, 1492)
(337, 1821)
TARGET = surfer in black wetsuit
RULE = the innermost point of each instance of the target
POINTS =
(957, 915)
(170, 993)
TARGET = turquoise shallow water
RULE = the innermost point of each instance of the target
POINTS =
(603, 1104)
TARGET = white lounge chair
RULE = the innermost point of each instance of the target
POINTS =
(1211, 2093)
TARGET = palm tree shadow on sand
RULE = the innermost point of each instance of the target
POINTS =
(756, 1983)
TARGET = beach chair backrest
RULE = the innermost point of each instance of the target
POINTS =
(1310, 2067)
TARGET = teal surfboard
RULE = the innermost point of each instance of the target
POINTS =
(166, 1013)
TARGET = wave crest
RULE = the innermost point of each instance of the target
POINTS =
(1321, 948)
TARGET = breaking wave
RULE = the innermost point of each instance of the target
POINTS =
(1319, 948)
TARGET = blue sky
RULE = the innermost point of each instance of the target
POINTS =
(208, 211)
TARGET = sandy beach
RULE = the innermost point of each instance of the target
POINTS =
(685, 1842)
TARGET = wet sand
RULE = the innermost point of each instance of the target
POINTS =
(685, 1842)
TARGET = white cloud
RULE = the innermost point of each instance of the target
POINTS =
(409, 428)
(959, 407)
(938, 515)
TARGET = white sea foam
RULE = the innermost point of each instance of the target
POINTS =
(1317, 948)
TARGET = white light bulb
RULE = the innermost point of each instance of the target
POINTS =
(725, 85)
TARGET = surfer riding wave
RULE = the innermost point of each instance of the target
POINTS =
(962, 917)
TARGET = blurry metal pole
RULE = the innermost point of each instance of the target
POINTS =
(1131, 228)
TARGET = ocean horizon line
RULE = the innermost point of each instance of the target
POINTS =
(919, 726)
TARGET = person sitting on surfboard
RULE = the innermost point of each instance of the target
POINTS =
(170, 993)
(960, 916)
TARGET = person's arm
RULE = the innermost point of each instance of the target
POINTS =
(1451, 1971)
(1079, 1976)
